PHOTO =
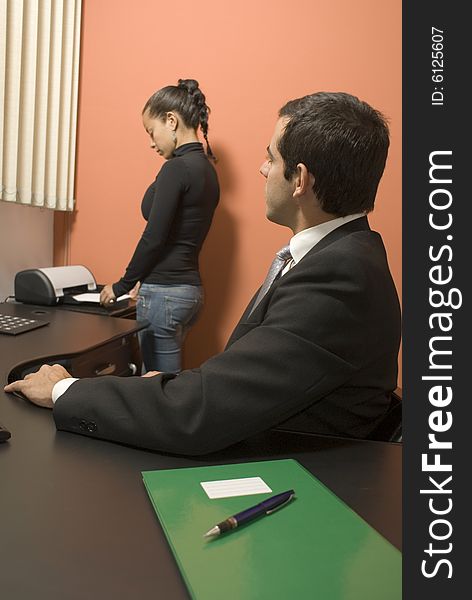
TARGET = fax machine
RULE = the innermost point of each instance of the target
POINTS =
(53, 285)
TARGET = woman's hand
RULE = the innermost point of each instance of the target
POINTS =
(133, 294)
(107, 295)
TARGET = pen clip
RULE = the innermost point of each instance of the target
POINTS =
(272, 510)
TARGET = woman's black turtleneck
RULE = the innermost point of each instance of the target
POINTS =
(178, 207)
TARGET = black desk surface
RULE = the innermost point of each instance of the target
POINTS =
(68, 333)
(75, 520)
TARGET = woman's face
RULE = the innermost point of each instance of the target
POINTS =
(160, 132)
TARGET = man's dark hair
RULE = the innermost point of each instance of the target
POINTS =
(343, 142)
(188, 100)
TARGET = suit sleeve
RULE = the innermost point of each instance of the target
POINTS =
(310, 341)
(170, 184)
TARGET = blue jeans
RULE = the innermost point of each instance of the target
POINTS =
(171, 310)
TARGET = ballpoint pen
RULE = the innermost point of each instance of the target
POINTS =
(263, 508)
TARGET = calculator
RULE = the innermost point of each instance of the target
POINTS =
(12, 325)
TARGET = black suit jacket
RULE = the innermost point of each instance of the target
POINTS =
(319, 354)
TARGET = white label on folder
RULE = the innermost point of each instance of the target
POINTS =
(227, 488)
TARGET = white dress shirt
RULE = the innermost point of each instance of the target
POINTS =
(300, 244)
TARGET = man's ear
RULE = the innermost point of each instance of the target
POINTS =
(304, 181)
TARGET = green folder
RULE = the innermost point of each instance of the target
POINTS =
(315, 547)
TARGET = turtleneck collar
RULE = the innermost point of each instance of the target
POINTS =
(186, 148)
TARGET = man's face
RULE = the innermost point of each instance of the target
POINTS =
(278, 191)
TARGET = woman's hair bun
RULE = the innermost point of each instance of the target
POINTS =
(191, 85)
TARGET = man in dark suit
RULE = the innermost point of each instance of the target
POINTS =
(315, 352)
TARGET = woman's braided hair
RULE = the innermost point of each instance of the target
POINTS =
(188, 100)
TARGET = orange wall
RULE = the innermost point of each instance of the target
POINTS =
(250, 58)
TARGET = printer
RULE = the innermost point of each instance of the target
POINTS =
(53, 285)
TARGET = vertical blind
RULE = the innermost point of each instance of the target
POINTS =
(39, 72)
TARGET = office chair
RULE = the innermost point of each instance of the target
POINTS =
(389, 429)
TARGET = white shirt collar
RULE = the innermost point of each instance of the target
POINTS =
(305, 240)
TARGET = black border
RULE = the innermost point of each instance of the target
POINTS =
(428, 128)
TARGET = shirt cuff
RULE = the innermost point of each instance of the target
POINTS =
(61, 387)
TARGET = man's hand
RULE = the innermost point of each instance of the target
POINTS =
(151, 374)
(37, 387)
(107, 296)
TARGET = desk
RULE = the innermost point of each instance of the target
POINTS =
(76, 521)
(84, 343)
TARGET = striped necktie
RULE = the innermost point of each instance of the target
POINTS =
(279, 262)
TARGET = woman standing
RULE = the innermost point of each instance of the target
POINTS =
(178, 207)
